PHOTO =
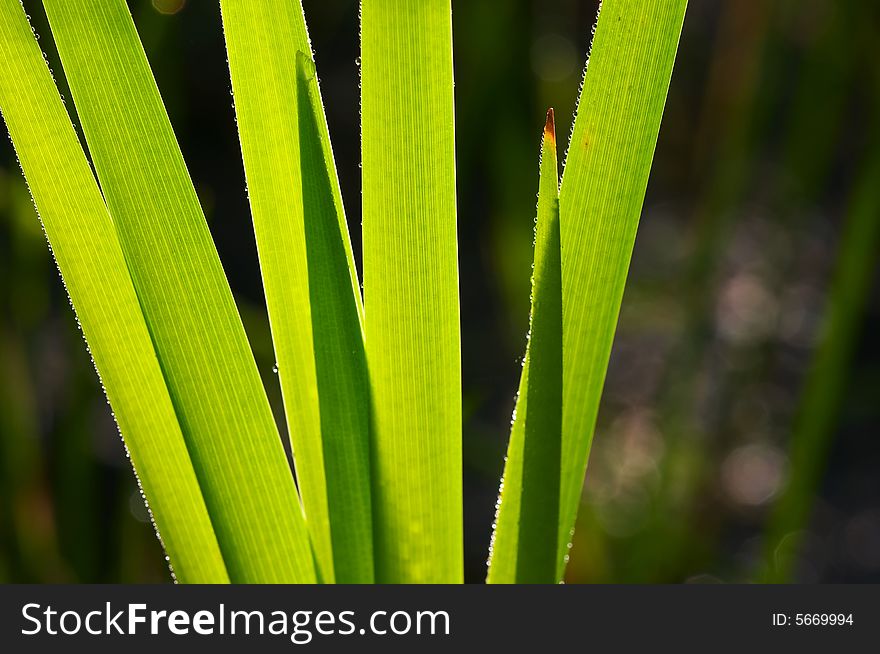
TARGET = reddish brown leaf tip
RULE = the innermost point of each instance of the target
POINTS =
(550, 126)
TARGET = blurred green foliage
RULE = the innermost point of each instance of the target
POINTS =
(770, 130)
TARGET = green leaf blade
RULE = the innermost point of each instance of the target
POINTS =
(340, 356)
(411, 288)
(90, 259)
(600, 200)
(199, 338)
(308, 276)
(524, 546)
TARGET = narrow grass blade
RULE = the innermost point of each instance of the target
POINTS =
(209, 367)
(308, 275)
(340, 358)
(524, 544)
(600, 200)
(87, 251)
(826, 379)
(411, 288)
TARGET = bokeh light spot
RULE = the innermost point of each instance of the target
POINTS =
(168, 7)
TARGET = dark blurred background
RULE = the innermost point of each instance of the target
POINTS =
(739, 434)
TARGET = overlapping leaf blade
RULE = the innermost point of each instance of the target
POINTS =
(180, 283)
(524, 541)
(87, 251)
(308, 275)
(600, 199)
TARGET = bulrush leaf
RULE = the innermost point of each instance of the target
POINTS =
(524, 544)
(87, 251)
(196, 330)
(600, 202)
(411, 288)
(308, 275)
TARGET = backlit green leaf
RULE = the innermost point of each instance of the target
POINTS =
(87, 251)
(192, 318)
(308, 276)
(524, 542)
(600, 201)
(411, 288)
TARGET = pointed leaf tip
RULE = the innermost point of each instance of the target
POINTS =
(550, 126)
